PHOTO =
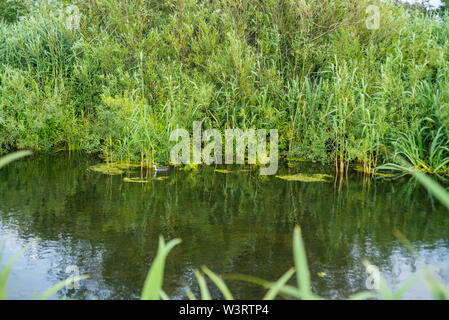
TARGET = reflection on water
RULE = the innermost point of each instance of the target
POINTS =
(233, 223)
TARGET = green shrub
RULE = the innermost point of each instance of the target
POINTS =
(336, 91)
(11, 10)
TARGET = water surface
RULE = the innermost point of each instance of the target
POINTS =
(232, 223)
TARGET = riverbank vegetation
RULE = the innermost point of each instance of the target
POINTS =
(130, 72)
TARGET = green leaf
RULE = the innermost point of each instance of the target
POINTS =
(438, 289)
(438, 191)
(300, 258)
(13, 156)
(397, 295)
(153, 283)
(219, 283)
(277, 286)
(47, 294)
(205, 294)
(190, 294)
(163, 295)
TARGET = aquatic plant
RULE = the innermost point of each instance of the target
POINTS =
(108, 168)
(12, 157)
(305, 177)
(424, 148)
(152, 289)
(11, 10)
(136, 180)
(223, 171)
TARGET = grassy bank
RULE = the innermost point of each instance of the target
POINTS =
(135, 70)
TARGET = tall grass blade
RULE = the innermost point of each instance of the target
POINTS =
(163, 295)
(190, 294)
(438, 191)
(153, 283)
(13, 156)
(277, 286)
(205, 294)
(48, 293)
(219, 283)
(438, 289)
(302, 269)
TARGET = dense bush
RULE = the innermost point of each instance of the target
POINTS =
(11, 10)
(134, 70)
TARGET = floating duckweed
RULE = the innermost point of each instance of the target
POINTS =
(125, 165)
(139, 180)
(295, 159)
(223, 171)
(106, 168)
(160, 178)
(231, 171)
(113, 168)
(304, 177)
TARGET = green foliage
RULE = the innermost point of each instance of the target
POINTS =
(425, 148)
(11, 10)
(134, 70)
(12, 157)
(153, 284)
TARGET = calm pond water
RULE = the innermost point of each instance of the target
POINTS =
(233, 223)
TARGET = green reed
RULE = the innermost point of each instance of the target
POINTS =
(134, 70)
(424, 148)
